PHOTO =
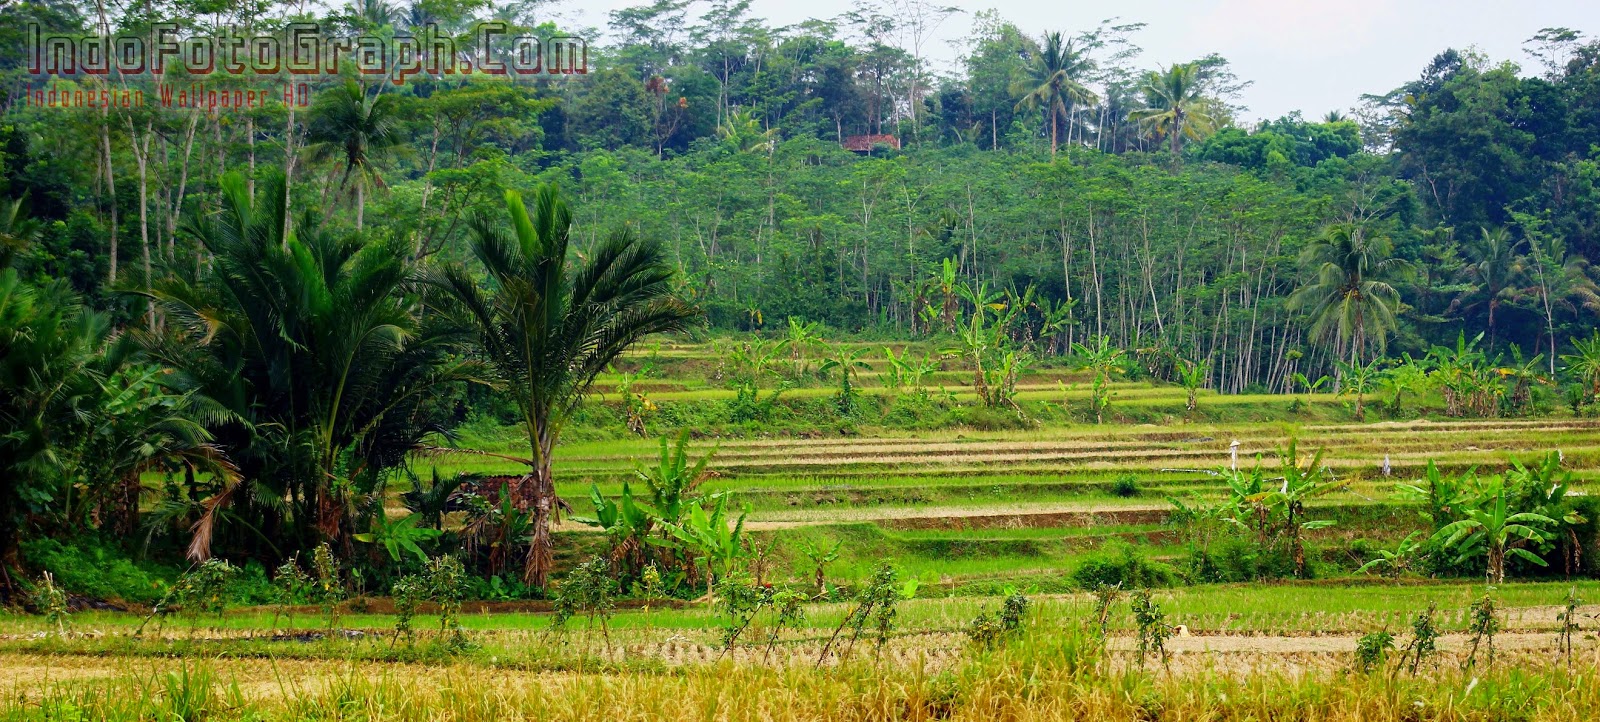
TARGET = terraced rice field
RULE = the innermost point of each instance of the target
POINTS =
(971, 514)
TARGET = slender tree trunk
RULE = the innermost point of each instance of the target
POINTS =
(250, 143)
(111, 190)
(1052, 133)
(288, 168)
(141, 155)
(183, 184)
(539, 495)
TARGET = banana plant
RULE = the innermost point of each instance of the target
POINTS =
(674, 477)
(1245, 507)
(400, 536)
(1102, 362)
(1396, 561)
(1584, 364)
(1495, 531)
(1056, 326)
(1310, 385)
(905, 372)
(1523, 373)
(1300, 485)
(847, 362)
(627, 523)
(801, 338)
(709, 536)
(1444, 498)
(1192, 375)
(1545, 485)
(1409, 375)
(1357, 380)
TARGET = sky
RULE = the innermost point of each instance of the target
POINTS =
(1307, 56)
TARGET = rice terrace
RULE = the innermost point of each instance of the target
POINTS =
(873, 360)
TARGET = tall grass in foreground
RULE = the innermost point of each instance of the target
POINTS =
(1048, 674)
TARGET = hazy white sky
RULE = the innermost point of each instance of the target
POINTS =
(1308, 56)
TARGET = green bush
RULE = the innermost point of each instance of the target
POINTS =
(1243, 560)
(1119, 563)
(88, 568)
(1125, 486)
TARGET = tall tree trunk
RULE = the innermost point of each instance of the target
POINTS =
(538, 493)
(141, 156)
(183, 184)
(111, 190)
(250, 143)
(1052, 133)
(288, 168)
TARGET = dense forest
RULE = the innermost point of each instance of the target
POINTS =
(827, 171)
(1130, 192)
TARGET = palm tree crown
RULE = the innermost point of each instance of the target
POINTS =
(1175, 106)
(1349, 298)
(1491, 264)
(349, 123)
(1051, 83)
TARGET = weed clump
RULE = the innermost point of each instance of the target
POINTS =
(49, 600)
(988, 630)
(1372, 650)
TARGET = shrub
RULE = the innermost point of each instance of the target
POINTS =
(1373, 649)
(876, 607)
(589, 590)
(1485, 623)
(407, 593)
(292, 586)
(1120, 564)
(86, 568)
(1153, 628)
(1424, 639)
(327, 585)
(1126, 486)
(1242, 560)
(203, 589)
(989, 630)
(48, 599)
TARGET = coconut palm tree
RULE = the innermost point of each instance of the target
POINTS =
(1175, 108)
(1349, 298)
(315, 350)
(355, 126)
(1051, 83)
(375, 14)
(548, 324)
(1492, 263)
